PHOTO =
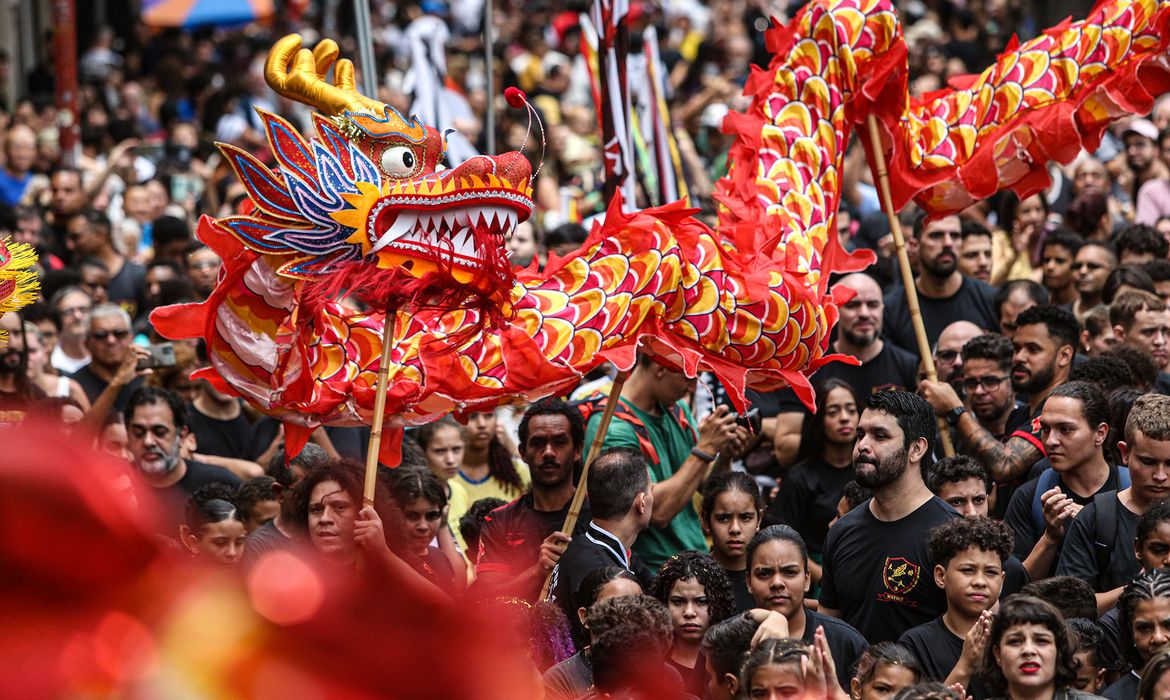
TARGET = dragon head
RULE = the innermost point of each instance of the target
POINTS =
(370, 197)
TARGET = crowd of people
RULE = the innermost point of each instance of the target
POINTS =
(828, 553)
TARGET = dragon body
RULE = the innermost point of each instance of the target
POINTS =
(360, 208)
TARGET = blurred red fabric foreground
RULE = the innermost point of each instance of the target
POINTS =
(94, 605)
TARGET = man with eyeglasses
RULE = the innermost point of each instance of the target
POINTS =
(112, 376)
(72, 306)
(948, 361)
(987, 386)
(1045, 343)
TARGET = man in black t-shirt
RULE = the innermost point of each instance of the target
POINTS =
(883, 365)
(520, 542)
(156, 423)
(877, 570)
(1110, 521)
(220, 427)
(109, 344)
(944, 294)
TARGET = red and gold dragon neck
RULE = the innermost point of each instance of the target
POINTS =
(362, 202)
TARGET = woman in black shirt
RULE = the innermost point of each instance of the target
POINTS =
(810, 492)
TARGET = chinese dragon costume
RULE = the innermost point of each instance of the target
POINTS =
(365, 209)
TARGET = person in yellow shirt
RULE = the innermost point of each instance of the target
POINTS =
(489, 468)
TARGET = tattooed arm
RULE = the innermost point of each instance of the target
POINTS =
(1008, 461)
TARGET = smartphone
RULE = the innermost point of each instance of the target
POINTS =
(161, 355)
(181, 188)
(150, 151)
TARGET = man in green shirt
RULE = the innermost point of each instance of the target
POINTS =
(653, 417)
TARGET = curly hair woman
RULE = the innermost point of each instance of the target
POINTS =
(698, 595)
(329, 516)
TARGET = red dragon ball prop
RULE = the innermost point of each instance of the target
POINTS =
(362, 208)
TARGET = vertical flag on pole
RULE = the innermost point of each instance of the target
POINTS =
(65, 60)
(611, 21)
(671, 184)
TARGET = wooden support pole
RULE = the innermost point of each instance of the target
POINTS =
(379, 409)
(879, 160)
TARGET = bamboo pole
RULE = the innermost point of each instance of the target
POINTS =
(611, 403)
(879, 160)
(379, 409)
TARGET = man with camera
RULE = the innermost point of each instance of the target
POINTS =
(653, 417)
(114, 372)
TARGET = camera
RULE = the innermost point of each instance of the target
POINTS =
(161, 355)
(750, 420)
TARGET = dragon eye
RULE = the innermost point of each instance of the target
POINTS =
(398, 161)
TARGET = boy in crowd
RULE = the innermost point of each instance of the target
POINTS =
(963, 483)
(969, 556)
(1090, 670)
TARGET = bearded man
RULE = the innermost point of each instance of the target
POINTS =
(878, 574)
(156, 424)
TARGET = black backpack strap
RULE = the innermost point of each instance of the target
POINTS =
(1105, 529)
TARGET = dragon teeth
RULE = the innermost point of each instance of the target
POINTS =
(403, 225)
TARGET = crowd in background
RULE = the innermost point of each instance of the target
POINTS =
(819, 554)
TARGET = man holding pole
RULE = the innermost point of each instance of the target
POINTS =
(1045, 342)
(652, 417)
(521, 542)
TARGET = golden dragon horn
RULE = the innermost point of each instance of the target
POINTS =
(299, 74)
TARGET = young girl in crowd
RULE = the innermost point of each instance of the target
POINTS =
(1145, 631)
(788, 669)
(692, 586)
(778, 578)
(1029, 653)
(730, 516)
(489, 469)
(811, 491)
(442, 446)
(882, 670)
(419, 494)
(213, 530)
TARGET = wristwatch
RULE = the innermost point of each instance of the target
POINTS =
(953, 415)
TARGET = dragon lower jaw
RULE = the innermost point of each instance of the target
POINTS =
(455, 232)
